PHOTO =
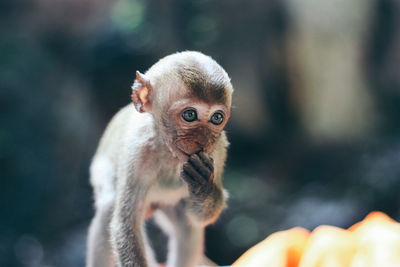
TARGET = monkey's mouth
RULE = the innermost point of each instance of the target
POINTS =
(183, 152)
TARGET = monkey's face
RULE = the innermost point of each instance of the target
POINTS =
(189, 96)
(194, 126)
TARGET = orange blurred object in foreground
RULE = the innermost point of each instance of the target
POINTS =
(373, 242)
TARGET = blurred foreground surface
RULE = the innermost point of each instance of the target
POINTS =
(373, 242)
(315, 132)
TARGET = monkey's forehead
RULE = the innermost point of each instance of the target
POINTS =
(209, 86)
(201, 76)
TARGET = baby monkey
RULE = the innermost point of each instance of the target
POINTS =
(163, 155)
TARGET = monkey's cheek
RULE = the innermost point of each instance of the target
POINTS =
(182, 156)
(177, 153)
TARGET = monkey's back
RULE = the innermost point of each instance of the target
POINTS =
(112, 147)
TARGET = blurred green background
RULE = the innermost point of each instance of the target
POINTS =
(315, 131)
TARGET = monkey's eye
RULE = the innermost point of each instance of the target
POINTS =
(189, 115)
(217, 118)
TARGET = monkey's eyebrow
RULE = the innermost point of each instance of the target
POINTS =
(188, 107)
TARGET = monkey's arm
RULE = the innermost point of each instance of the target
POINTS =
(206, 196)
(126, 236)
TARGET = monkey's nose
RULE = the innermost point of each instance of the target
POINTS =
(196, 147)
(201, 145)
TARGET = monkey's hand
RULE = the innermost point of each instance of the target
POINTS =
(198, 173)
(206, 199)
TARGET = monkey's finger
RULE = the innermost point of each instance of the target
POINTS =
(200, 167)
(192, 173)
(194, 187)
(207, 160)
(188, 180)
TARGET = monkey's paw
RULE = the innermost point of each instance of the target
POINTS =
(198, 173)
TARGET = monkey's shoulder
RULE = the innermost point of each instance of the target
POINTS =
(126, 126)
(129, 140)
(134, 122)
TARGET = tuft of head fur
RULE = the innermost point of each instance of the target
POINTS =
(209, 88)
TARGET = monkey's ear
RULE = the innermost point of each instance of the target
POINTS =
(142, 93)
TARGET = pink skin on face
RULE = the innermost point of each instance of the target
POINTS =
(178, 153)
(204, 112)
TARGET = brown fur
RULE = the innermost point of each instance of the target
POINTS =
(201, 86)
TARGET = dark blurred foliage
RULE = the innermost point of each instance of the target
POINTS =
(298, 156)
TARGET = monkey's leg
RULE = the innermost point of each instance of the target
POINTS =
(99, 248)
(185, 245)
(126, 226)
(151, 259)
